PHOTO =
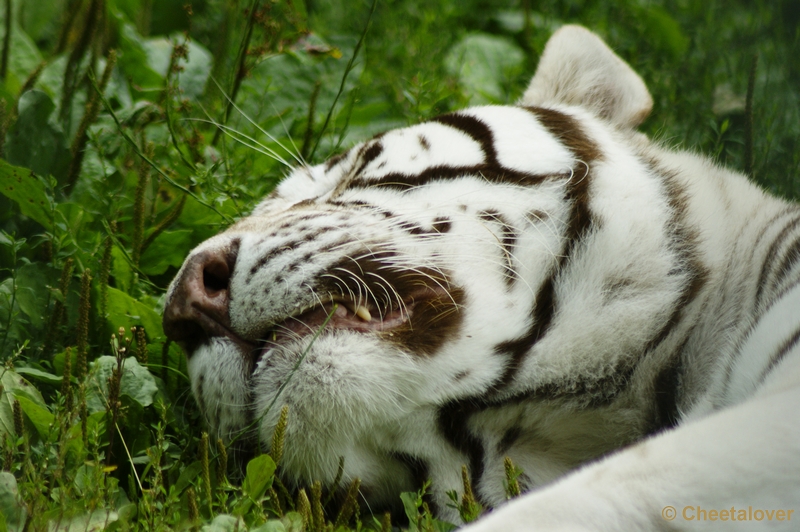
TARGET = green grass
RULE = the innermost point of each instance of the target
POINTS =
(102, 197)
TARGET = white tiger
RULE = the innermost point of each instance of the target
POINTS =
(539, 282)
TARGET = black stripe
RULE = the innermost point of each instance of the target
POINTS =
(788, 263)
(490, 170)
(441, 224)
(665, 394)
(508, 440)
(499, 175)
(778, 357)
(508, 241)
(369, 153)
(766, 266)
(452, 421)
(336, 159)
(579, 226)
(420, 474)
(683, 240)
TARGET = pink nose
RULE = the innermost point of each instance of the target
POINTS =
(197, 308)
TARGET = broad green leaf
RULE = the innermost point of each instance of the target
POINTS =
(28, 191)
(137, 383)
(225, 523)
(124, 311)
(14, 387)
(23, 56)
(121, 270)
(168, 249)
(12, 507)
(259, 477)
(410, 501)
(273, 525)
(189, 474)
(192, 79)
(33, 291)
(664, 31)
(95, 424)
(91, 522)
(484, 65)
(41, 376)
(293, 522)
(38, 414)
(43, 21)
(133, 56)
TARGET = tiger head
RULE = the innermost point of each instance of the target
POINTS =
(442, 294)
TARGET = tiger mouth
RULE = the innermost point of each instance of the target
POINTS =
(346, 314)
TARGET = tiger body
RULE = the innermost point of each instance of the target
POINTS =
(539, 282)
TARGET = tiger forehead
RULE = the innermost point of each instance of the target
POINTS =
(508, 145)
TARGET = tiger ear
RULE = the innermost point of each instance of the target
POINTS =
(578, 68)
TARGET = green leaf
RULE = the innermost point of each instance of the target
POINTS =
(259, 477)
(28, 191)
(23, 56)
(95, 424)
(273, 525)
(38, 414)
(411, 504)
(664, 31)
(42, 22)
(12, 508)
(225, 523)
(41, 376)
(124, 311)
(137, 383)
(121, 269)
(133, 59)
(36, 140)
(484, 65)
(14, 387)
(189, 474)
(192, 79)
(168, 249)
(33, 292)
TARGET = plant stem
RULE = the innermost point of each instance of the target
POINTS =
(6, 43)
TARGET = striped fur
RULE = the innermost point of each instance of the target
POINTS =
(543, 283)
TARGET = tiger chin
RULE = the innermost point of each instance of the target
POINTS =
(538, 282)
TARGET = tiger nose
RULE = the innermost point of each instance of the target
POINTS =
(197, 306)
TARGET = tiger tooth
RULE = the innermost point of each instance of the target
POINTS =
(363, 313)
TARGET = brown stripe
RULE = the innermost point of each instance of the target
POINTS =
(568, 131)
